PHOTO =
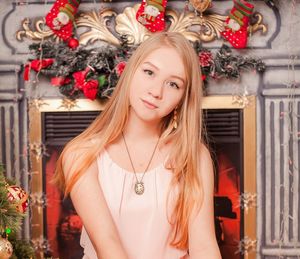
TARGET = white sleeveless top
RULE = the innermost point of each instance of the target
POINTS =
(141, 220)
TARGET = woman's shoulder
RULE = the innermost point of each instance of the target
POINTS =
(205, 153)
(75, 158)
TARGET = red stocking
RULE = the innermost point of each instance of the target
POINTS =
(237, 23)
(152, 14)
(61, 17)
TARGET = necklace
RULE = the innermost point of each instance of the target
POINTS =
(139, 186)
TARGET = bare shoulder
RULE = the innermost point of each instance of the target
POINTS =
(205, 156)
(204, 153)
(206, 165)
(72, 161)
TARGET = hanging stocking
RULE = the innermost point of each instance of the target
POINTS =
(237, 23)
(61, 17)
(152, 14)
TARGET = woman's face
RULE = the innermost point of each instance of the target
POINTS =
(158, 85)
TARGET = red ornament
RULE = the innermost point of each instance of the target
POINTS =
(73, 43)
(17, 195)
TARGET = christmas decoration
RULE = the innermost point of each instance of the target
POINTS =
(73, 43)
(88, 87)
(201, 5)
(6, 249)
(61, 17)
(92, 72)
(225, 64)
(151, 14)
(36, 65)
(11, 215)
(95, 72)
(21, 248)
(17, 195)
(237, 23)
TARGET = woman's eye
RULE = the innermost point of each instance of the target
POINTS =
(173, 84)
(148, 72)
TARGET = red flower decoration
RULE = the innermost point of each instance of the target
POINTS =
(80, 78)
(90, 89)
(205, 58)
(120, 68)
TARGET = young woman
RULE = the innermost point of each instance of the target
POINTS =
(140, 177)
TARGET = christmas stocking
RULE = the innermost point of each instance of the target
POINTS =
(61, 17)
(152, 14)
(237, 23)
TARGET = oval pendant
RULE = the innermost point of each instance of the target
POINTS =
(139, 188)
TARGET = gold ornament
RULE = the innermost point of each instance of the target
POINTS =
(68, 104)
(37, 103)
(201, 5)
(6, 248)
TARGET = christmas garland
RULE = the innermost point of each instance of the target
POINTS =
(95, 72)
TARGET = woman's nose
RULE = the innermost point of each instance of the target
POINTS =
(156, 90)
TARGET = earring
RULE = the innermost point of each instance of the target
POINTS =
(175, 119)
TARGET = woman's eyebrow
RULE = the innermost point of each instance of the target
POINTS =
(149, 63)
(177, 77)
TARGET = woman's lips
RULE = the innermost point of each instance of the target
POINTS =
(149, 105)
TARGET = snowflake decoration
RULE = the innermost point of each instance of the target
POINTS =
(246, 245)
(37, 103)
(247, 200)
(38, 150)
(68, 104)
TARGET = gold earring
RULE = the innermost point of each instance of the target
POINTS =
(175, 119)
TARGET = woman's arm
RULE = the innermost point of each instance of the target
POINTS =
(202, 238)
(90, 204)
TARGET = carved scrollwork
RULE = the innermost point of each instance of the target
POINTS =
(203, 27)
(97, 23)
(126, 24)
(42, 31)
(210, 26)
(257, 25)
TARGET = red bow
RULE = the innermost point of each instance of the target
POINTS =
(89, 88)
(37, 65)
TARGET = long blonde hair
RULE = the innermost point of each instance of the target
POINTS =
(186, 139)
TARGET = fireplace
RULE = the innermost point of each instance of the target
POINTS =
(230, 127)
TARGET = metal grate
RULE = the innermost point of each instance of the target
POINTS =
(223, 124)
(60, 127)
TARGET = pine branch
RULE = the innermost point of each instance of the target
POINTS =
(9, 216)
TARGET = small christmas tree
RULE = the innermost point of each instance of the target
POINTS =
(13, 202)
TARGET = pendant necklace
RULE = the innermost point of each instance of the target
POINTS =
(139, 186)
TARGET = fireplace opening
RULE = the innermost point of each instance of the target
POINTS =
(224, 133)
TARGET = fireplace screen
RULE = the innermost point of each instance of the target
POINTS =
(234, 159)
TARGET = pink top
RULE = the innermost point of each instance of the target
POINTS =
(140, 219)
